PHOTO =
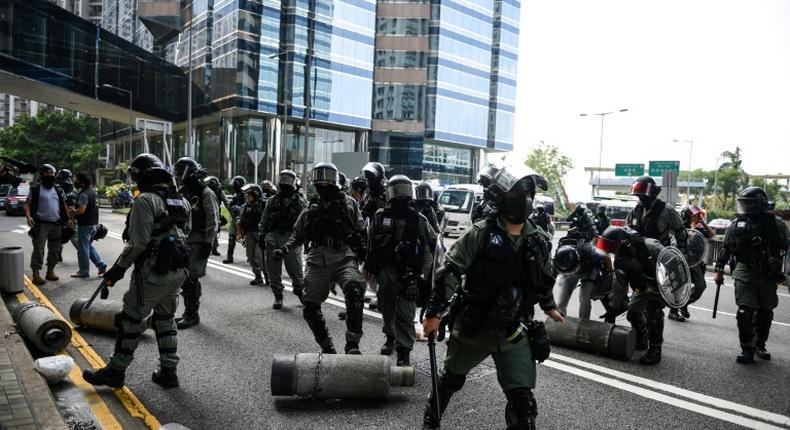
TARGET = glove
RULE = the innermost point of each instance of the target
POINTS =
(204, 251)
(104, 293)
(114, 275)
(281, 252)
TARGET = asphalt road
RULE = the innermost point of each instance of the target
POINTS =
(226, 361)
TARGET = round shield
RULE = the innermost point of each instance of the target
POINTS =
(696, 248)
(673, 277)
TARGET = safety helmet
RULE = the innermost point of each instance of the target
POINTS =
(359, 184)
(325, 173)
(540, 209)
(485, 176)
(567, 259)
(101, 232)
(268, 187)
(342, 180)
(752, 200)
(238, 182)
(288, 178)
(424, 191)
(375, 174)
(689, 212)
(645, 186)
(143, 162)
(213, 183)
(64, 176)
(601, 209)
(253, 189)
(400, 187)
(613, 238)
(187, 168)
(46, 168)
(579, 207)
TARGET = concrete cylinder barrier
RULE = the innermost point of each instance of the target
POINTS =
(100, 315)
(337, 376)
(12, 262)
(597, 337)
(39, 325)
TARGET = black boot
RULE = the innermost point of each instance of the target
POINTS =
(675, 315)
(165, 377)
(389, 346)
(762, 328)
(352, 348)
(684, 312)
(187, 320)
(327, 346)
(745, 318)
(104, 376)
(315, 320)
(746, 356)
(652, 356)
(215, 252)
(278, 303)
(342, 317)
(228, 260)
(258, 280)
(762, 353)
(403, 356)
(449, 384)
(231, 247)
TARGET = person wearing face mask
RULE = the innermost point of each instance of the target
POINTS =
(65, 180)
(275, 228)
(652, 218)
(86, 214)
(579, 262)
(238, 199)
(332, 227)
(374, 197)
(581, 223)
(213, 183)
(505, 261)
(247, 229)
(358, 187)
(398, 255)
(484, 179)
(205, 222)
(46, 212)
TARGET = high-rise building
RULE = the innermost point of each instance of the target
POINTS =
(444, 91)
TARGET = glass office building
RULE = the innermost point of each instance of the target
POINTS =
(444, 92)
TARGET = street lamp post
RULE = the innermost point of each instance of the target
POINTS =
(600, 145)
(113, 87)
(716, 182)
(688, 184)
(286, 93)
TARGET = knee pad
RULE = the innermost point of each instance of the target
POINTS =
(451, 382)
(523, 402)
(355, 291)
(745, 313)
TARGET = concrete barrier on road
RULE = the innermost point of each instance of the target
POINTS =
(100, 315)
(39, 325)
(337, 376)
(597, 337)
(12, 262)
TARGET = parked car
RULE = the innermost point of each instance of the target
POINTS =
(720, 225)
(15, 201)
(459, 201)
(4, 190)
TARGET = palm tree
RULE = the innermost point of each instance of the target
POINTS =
(732, 176)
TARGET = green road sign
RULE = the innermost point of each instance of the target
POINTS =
(657, 168)
(629, 169)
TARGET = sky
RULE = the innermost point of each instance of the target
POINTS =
(716, 72)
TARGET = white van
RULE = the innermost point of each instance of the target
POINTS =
(458, 202)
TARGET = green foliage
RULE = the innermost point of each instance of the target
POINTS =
(62, 139)
(116, 182)
(112, 190)
(553, 165)
(774, 191)
(719, 213)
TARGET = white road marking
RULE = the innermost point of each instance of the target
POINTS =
(713, 284)
(732, 315)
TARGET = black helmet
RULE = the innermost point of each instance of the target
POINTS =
(238, 182)
(579, 207)
(359, 184)
(567, 259)
(143, 162)
(610, 240)
(213, 183)
(253, 189)
(517, 178)
(101, 232)
(64, 176)
(540, 209)
(288, 178)
(400, 187)
(325, 173)
(268, 187)
(44, 168)
(645, 186)
(424, 191)
(342, 180)
(752, 200)
(188, 170)
(375, 174)
(485, 176)
(601, 209)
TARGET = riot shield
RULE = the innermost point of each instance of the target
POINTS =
(673, 277)
(696, 248)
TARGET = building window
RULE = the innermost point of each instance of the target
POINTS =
(401, 27)
(402, 59)
(448, 165)
(399, 102)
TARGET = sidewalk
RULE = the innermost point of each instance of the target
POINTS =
(25, 399)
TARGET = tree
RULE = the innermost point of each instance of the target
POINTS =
(553, 165)
(62, 139)
(773, 190)
(732, 178)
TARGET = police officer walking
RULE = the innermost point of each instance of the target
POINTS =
(581, 221)
(759, 241)
(213, 183)
(652, 218)
(399, 241)
(332, 228)
(602, 220)
(247, 229)
(158, 223)
(428, 207)
(238, 199)
(205, 222)
(506, 262)
(692, 219)
(541, 218)
(374, 198)
(275, 228)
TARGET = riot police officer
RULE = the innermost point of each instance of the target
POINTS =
(506, 262)
(213, 183)
(238, 199)
(396, 257)
(374, 198)
(428, 207)
(581, 222)
(205, 222)
(577, 261)
(541, 218)
(602, 220)
(274, 230)
(652, 218)
(692, 219)
(247, 229)
(358, 187)
(484, 179)
(635, 266)
(758, 241)
(158, 223)
(333, 230)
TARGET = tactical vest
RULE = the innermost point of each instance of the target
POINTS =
(648, 225)
(396, 246)
(754, 239)
(283, 212)
(199, 214)
(428, 211)
(371, 204)
(330, 222)
(251, 216)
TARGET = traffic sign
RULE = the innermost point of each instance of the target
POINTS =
(629, 169)
(657, 168)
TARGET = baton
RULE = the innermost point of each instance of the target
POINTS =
(102, 286)
(434, 376)
(716, 300)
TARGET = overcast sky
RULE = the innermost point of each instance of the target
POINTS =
(714, 71)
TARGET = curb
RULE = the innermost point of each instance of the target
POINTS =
(36, 391)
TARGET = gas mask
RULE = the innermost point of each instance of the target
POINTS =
(400, 207)
(327, 192)
(286, 190)
(515, 209)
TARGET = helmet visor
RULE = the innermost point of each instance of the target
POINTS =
(749, 206)
(400, 190)
(642, 189)
(324, 175)
(608, 246)
(424, 193)
(287, 179)
(507, 178)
